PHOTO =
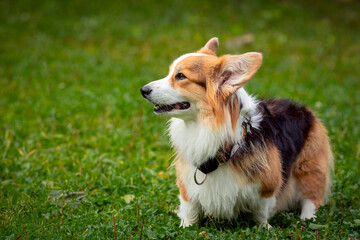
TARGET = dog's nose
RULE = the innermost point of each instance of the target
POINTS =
(145, 91)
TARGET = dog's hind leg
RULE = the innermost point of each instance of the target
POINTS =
(308, 209)
(311, 170)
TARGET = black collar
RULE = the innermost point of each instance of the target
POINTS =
(222, 156)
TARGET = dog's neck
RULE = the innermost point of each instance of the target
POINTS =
(196, 143)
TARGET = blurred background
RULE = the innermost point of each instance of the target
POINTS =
(72, 119)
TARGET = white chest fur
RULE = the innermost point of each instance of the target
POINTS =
(221, 195)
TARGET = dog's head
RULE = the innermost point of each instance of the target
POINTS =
(200, 85)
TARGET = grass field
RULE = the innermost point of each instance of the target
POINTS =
(81, 150)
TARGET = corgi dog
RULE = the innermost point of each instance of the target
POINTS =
(236, 153)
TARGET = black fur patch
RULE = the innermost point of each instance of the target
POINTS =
(285, 124)
(292, 123)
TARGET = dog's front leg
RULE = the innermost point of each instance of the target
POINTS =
(264, 211)
(188, 212)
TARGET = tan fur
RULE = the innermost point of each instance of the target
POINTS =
(261, 165)
(214, 95)
(210, 47)
(250, 165)
(311, 169)
(234, 110)
(180, 167)
(271, 178)
(289, 196)
(206, 51)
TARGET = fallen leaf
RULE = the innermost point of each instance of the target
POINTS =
(161, 174)
(204, 234)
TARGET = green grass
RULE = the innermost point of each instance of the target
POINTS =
(72, 118)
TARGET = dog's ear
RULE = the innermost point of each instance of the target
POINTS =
(210, 47)
(236, 70)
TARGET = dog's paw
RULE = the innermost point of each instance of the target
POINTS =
(184, 223)
(308, 210)
(306, 215)
(266, 225)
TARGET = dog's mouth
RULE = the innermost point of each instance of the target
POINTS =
(161, 108)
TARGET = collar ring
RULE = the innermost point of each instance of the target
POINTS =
(199, 183)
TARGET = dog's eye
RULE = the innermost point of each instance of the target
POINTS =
(180, 76)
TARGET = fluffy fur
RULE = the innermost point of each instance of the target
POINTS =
(282, 163)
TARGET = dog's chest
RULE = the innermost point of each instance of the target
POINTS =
(221, 195)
